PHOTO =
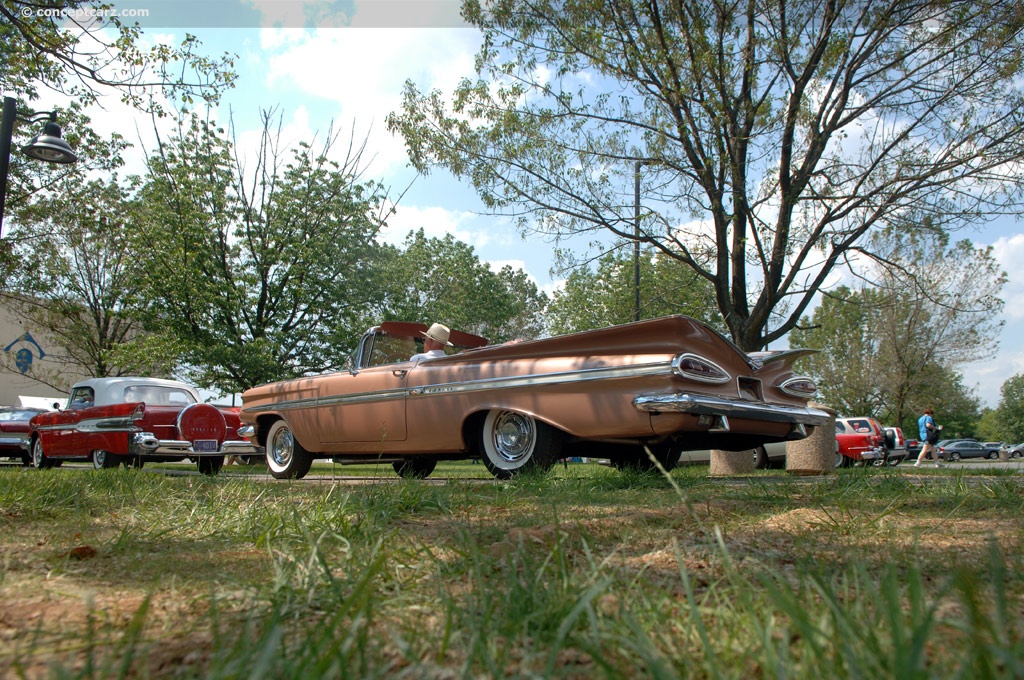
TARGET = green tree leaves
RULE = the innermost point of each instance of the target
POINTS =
(1010, 414)
(443, 280)
(606, 295)
(261, 273)
(775, 140)
(892, 350)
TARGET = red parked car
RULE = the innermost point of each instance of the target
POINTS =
(861, 441)
(114, 421)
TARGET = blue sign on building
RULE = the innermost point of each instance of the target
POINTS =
(26, 351)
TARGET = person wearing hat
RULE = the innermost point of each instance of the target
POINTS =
(435, 339)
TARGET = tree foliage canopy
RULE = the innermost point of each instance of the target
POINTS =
(443, 280)
(894, 349)
(1010, 414)
(79, 280)
(606, 295)
(73, 47)
(773, 138)
(264, 271)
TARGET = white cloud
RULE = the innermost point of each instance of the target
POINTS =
(435, 221)
(1009, 253)
(347, 69)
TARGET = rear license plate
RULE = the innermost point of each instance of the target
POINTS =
(205, 445)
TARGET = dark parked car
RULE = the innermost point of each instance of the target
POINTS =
(994, 449)
(957, 449)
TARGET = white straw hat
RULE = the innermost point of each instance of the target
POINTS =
(439, 333)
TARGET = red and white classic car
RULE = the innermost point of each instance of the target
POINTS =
(113, 421)
(663, 386)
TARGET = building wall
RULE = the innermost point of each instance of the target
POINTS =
(25, 352)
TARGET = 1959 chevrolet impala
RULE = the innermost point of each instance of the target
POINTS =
(660, 386)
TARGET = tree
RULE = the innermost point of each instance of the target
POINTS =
(1011, 410)
(938, 304)
(789, 131)
(606, 295)
(79, 283)
(73, 46)
(443, 280)
(847, 369)
(262, 272)
(77, 48)
(892, 350)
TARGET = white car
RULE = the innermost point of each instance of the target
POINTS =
(767, 456)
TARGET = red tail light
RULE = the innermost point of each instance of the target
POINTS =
(698, 368)
(138, 414)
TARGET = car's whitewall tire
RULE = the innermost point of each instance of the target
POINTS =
(514, 442)
(286, 459)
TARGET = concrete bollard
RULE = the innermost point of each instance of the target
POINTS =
(815, 455)
(728, 463)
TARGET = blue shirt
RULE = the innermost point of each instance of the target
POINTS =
(922, 425)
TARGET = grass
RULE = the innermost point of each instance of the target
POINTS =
(586, 573)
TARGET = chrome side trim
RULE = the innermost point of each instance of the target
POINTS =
(118, 424)
(514, 382)
(696, 404)
(583, 375)
(107, 424)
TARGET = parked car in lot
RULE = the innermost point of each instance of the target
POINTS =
(14, 430)
(767, 456)
(861, 441)
(1015, 451)
(993, 449)
(670, 384)
(895, 443)
(128, 420)
(958, 449)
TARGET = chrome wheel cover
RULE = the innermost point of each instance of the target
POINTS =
(282, 448)
(37, 454)
(513, 436)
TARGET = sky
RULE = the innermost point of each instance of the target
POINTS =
(320, 63)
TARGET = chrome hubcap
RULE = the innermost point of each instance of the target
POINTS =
(513, 436)
(282, 447)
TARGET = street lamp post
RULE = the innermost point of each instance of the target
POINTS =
(47, 146)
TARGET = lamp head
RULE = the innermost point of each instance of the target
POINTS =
(49, 146)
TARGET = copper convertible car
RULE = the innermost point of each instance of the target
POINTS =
(663, 386)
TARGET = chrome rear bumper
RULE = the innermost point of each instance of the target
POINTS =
(722, 409)
(146, 444)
